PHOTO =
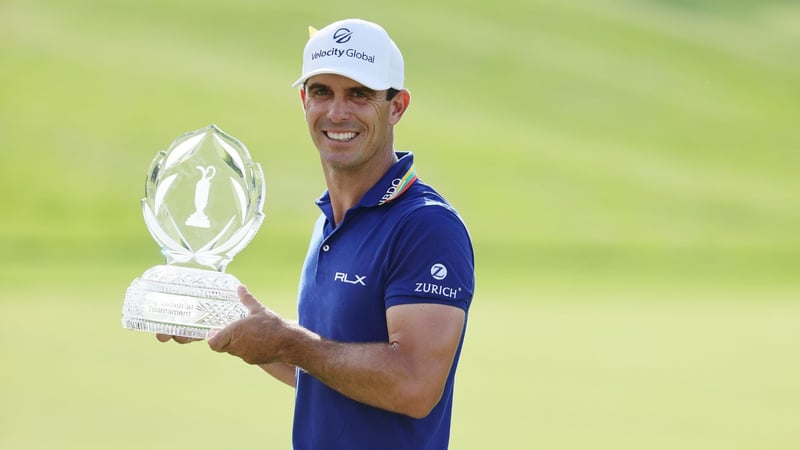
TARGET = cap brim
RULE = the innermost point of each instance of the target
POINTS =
(353, 75)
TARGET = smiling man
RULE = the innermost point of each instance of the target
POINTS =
(389, 274)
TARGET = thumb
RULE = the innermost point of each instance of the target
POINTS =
(248, 300)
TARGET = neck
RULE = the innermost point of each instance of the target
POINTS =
(347, 187)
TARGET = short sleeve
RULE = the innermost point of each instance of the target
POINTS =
(431, 260)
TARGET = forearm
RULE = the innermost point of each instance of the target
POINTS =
(377, 374)
(406, 374)
(281, 372)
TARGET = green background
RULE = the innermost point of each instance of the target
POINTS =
(629, 171)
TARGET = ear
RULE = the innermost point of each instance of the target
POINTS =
(399, 105)
(303, 97)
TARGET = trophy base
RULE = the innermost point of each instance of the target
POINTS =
(181, 301)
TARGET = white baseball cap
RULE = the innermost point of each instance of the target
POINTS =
(356, 49)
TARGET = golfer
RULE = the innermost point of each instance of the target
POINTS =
(389, 274)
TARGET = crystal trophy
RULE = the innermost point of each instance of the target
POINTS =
(204, 198)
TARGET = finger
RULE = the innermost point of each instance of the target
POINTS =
(212, 332)
(179, 339)
(248, 300)
(219, 339)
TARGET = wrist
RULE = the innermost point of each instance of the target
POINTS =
(295, 344)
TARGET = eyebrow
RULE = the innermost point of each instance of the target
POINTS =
(316, 86)
(358, 88)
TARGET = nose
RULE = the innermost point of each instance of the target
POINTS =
(338, 109)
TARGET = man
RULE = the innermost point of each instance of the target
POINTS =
(389, 274)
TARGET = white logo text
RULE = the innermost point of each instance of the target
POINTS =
(430, 288)
(345, 278)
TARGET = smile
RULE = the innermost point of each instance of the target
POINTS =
(341, 137)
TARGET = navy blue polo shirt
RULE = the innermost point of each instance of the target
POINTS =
(402, 243)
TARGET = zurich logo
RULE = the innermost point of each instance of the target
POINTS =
(438, 271)
(342, 35)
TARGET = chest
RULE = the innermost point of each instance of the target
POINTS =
(343, 284)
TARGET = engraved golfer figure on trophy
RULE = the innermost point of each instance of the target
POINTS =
(191, 293)
(198, 217)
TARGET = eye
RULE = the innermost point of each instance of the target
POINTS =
(363, 94)
(319, 91)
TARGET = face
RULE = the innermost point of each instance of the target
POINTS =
(351, 124)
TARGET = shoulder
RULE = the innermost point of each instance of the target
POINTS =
(431, 258)
(423, 205)
(423, 196)
(429, 223)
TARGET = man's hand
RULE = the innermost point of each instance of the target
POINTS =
(256, 338)
(247, 299)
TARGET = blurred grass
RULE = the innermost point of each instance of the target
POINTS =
(569, 371)
(628, 170)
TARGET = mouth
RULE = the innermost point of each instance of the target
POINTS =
(341, 136)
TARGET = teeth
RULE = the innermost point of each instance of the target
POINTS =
(341, 136)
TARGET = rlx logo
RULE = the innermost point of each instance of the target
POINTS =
(345, 278)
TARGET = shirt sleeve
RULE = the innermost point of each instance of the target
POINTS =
(432, 259)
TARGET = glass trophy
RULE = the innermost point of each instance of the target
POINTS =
(204, 198)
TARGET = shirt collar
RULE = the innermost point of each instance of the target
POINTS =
(394, 183)
(391, 186)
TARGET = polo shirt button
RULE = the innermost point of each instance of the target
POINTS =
(326, 247)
